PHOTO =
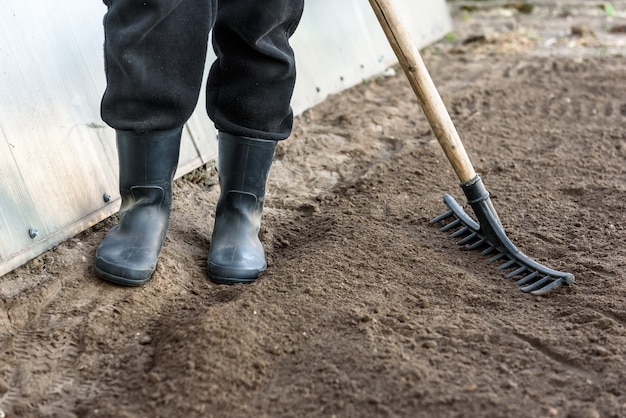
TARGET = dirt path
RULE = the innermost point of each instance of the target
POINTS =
(366, 310)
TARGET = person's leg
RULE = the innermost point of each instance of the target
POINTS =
(154, 53)
(248, 97)
(251, 82)
(154, 60)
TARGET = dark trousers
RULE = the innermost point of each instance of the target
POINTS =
(155, 52)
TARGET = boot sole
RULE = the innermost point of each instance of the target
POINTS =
(228, 277)
(119, 280)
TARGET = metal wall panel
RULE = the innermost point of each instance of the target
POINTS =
(58, 159)
(340, 43)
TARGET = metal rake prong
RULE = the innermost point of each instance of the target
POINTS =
(488, 250)
(507, 265)
(451, 225)
(555, 284)
(496, 257)
(442, 217)
(516, 272)
(537, 285)
(526, 279)
(468, 239)
(477, 244)
(460, 232)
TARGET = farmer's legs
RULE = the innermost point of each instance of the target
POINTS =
(248, 97)
(154, 60)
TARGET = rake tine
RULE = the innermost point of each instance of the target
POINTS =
(451, 225)
(441, 217)
(487, 251)
(537, 285)
(468, 239)
(555, 284)
(526, 279)
(507, 265)
(477, 244)
(515, 272)
(496, 257)
(460, 232)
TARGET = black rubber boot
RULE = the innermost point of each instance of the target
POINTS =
(128, 254)
(236, 254)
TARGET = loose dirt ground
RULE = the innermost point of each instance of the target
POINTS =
(366, 310)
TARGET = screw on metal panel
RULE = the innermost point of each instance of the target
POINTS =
(106, 197)
(33, 233)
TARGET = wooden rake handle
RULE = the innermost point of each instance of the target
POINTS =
(424, 88)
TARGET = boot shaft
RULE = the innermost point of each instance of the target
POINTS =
(244, 164)
(147, 164)
(147, 159)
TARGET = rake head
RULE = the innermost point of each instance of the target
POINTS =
(488, 236)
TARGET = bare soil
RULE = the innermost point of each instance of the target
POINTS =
(366, 310)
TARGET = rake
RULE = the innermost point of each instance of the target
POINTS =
(487, 235)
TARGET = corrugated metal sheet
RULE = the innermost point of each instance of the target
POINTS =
(58, 159)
